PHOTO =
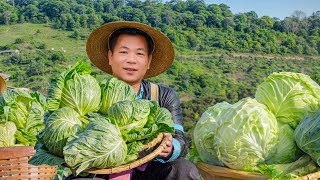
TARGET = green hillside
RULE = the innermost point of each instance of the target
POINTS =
(200, 78)
(33, 35)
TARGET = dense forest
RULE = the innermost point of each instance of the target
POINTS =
(220, 56)
(189, 24)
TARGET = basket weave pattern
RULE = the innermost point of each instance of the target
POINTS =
(14, 165)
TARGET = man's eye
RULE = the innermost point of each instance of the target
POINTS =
(123, 52)
(141, 54)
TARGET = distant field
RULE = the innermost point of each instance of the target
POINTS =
(42, 33)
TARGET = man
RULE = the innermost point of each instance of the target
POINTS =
(132, 52)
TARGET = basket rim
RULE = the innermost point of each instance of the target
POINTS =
(136, 163)
(13, 152)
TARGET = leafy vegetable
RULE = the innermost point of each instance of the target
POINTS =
(75, 88)
(285, 150)
(246, 133)
(304, 165)
(25, 109)
(129, 115)
(204, 133)
(45, 157)
(60, 125)
(114, 90)
(307, 136)
(290, 96)
(7, 131)
(99, 146)
(134, 121)
(164, 121)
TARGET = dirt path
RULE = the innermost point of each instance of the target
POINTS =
(237, 55)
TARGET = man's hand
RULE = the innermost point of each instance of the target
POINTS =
(167, 151)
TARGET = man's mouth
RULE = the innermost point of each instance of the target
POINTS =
(130, 69)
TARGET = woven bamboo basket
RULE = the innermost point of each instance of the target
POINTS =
(210, 172)
(151, 150)
(14, 164)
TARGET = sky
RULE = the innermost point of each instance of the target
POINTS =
(272, 8)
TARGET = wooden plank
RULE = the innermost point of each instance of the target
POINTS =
(210, 172)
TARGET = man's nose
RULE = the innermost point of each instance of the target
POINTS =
(131, 58)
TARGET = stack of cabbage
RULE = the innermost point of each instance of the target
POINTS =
(21, 117)
(96, 125)
(259, 134)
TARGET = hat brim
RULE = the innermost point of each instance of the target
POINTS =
(3, 85)
(97, 47)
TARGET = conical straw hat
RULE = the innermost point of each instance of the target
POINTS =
(3, 85)
(97, 47)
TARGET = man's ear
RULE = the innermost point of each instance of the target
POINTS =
(150, 58)
(109, 56)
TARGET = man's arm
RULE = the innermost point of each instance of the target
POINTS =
(169, 99)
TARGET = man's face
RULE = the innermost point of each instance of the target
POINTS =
(130, 60)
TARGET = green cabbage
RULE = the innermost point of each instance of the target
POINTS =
(129, 114)
(246, 133)
(290, 96)
(75, 88)
(204, 133)
(99, 146)
(60, 125)
(164, 121)
(7, 131)
(26, 110)
(307, 136)
(114, 90)
(161, 121)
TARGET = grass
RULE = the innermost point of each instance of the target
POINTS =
(43, 34)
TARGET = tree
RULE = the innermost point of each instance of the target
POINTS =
(225, 10)
(132, 14)
(240, 21)
(196, 6)
(135, 3)
(228, 22)
(118, 4)
(291, 25)
(178, 5)
(53, 9)
(6, 17)
(299, 14)
(94, 20)
(252, 16)
(31, 12)
(265, 22)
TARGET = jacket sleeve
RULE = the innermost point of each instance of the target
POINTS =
(169, 99)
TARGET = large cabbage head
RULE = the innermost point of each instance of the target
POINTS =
(246, 132)
(307, 136)
(75, 88)
(204, 133)
(60, 125)
(129, 114)
(99, 146)
(7, 131)
(114, 90)
(290, 96)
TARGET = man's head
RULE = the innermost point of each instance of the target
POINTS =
(102, 43)
(130, 54)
